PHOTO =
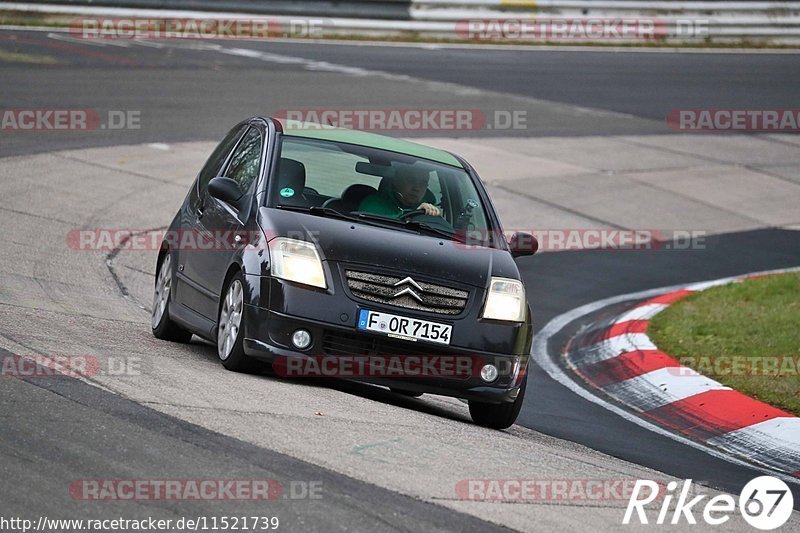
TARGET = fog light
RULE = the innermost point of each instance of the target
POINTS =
(301, 339)
(489, 373)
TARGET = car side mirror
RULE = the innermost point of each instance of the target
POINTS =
(523, 243)
(225, 189)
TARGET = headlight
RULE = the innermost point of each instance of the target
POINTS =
(295, 260)
(505, 301)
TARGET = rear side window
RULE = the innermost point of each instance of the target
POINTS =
(214, 164)
(246, 160)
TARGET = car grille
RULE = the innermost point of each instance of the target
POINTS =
(337, 343)
(384, 289)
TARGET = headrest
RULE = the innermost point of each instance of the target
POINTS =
(291, 178)
(354, 194)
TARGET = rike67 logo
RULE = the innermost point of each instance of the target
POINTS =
(765, 503)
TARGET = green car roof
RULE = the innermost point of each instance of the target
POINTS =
(312, 130)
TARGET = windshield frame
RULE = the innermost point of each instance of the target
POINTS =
(494, 233)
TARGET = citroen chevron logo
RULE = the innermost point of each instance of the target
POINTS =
(408, 290)
(410, 281)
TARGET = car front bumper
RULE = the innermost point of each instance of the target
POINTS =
(268, 337)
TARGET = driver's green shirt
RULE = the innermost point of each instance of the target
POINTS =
(381, 204)
(387, 205)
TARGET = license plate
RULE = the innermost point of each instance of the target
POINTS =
(403, 327)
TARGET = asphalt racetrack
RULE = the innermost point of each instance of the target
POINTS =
(384, 461)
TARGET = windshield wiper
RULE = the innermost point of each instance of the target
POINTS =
(422, 226)
(330, 212)
(413, 225)
(372, 220)
(318, 211)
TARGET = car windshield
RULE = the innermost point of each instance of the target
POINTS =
(381, 185)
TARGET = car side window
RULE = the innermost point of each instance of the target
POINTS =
(246, 160)
(213, 166)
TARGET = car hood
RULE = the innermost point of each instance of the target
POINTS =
(394, 249)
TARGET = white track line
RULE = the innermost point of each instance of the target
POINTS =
(614, 347)
(780, 437)
(641, 312)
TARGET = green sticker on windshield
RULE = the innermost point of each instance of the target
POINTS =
(287, 192)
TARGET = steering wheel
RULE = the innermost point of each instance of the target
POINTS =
(413, 213)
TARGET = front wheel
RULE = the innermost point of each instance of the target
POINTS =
(162, 325)
(230, 337)
(498, 416)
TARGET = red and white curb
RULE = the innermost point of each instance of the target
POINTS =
(621, 360)
(748, 446)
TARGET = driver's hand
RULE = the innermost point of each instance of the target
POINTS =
(430, 209)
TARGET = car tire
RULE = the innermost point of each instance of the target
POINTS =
(160, 322)
(498, 416)
(230, 337)
(410, 394)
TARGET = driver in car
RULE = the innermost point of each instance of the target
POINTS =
(403, 194)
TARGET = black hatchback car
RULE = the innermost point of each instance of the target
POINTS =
(331, 252)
